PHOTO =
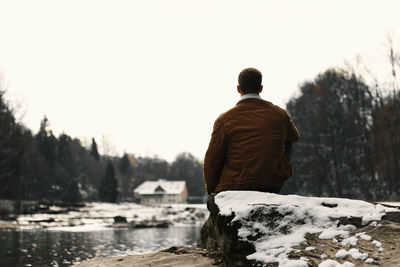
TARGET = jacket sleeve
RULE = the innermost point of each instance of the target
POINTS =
(292, 133)
(215, 157)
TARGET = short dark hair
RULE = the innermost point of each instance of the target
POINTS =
(250, 80)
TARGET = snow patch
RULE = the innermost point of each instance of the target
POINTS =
(350, 241)
(364, 236)
(332, 263)
(377, 243)
(357, 255)
(369, 260)
(302, 215)
(341, 254)
(97, 216)
(394, 204)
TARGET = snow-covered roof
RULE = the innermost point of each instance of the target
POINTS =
(160, 187)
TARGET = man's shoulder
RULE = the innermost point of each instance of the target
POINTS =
(247, 105)
(228, 114)
(279, 109)
(256, 103)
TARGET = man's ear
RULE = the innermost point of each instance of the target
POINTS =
(239, 90)
(259, 91)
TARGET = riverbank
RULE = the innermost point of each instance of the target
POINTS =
(99, 216)
(181, 256)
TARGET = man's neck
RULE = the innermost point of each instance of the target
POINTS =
(248, 96)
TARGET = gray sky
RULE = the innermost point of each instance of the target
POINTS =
(152, 76)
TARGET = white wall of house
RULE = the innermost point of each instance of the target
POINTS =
(159, 197)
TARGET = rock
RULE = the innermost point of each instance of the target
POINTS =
(4, 214)
(120, 219)
(140, 224)
(220, 234)
(263, 229)
(150, 224)
(172, 257)
(50, 220)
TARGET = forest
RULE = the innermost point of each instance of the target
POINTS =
(349, 147)
(350, 136)
(47, 168)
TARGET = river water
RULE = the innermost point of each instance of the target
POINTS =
(63, 238)
(46, 247)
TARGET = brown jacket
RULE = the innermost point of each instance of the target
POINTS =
(246, 150)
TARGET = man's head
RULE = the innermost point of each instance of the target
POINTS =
(249, 81)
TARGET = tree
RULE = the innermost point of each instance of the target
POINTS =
(386, 145)
(124, 165)
(71, 193)
(93, 150)
(125, 176)
(149, 169)
(47, 142)
(186, 167)
(108, 190)
(333, 156)
(14, 138)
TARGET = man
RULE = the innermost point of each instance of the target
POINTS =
(247, 147)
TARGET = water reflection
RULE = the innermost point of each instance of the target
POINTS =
(61, 248)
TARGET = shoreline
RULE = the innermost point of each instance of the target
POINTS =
(173, 256)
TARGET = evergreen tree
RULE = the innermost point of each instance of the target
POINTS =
(14, 140)
(93, 150)
(125, 177)
(47, 143)
(124, 165)
(71, 193)
(108, 190)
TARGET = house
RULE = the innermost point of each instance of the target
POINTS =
(161, 192)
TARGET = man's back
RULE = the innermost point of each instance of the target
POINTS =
(246, 151)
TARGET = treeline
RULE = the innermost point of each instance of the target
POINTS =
(349, 147)
(44, 167)
(350, 137)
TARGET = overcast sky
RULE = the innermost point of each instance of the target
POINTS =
(152, 76)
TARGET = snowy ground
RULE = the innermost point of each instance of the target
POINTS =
(302, 215)
(100, 216)
(396, 204)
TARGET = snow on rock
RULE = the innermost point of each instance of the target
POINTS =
(296, 217)
(394, 204)
(242, 202)
(377, 243)
(332, 263)
(350, 241)
(354, 253)
(362, 235)
(341, 254)
(369, 260)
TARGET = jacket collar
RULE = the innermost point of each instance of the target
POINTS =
(248, 96)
